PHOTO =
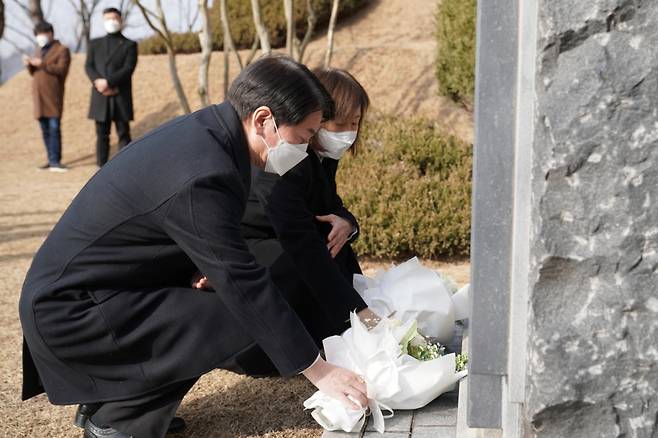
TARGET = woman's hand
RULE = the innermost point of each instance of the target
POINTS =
(200, 281)
(338, 383)
(369, 318)
(341, 229)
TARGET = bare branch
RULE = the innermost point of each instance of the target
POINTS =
(311, 20)
(206, 52)
(20, 32)
(254, 49)
(288, 11)
(229, 45)
(330, 34)
(260, 27)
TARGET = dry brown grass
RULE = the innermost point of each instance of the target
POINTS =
(389, 48)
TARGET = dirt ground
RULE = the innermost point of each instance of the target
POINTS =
(388, 46)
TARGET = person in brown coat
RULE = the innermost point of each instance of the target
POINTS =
(49, 68)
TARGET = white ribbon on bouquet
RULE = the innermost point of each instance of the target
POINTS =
(415, 292)
(394, 380)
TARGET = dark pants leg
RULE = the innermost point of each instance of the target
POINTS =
(102, 142)
(123, 132)
(52, 138)
(147, 416)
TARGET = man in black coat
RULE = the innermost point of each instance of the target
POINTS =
(107, 310)
(111, 61)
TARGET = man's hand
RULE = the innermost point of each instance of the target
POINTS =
(101, 85)
(26, 60)
(36, 62)
(340, 232)
(338, 383)
(200, 281)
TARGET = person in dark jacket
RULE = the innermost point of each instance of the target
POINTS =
(49, 68)
(107, 311)
(111, 61)
(297, 226)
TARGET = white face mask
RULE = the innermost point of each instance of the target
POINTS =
(42, 40)
(112, 26)
(335, 144)
(284, 156)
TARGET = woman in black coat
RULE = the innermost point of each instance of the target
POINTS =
(297, 226)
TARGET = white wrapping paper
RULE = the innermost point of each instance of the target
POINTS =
(415, 292)
(394, 380)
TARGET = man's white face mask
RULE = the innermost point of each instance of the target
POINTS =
(42, 40)
(112, 26)
(284, 156)
(335, 144)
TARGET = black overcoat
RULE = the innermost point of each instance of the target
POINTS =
(117, 66)
(283, 234)
(107, 310)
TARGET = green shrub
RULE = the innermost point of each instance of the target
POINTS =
(410, 188)
(242, 24)
(455, 37)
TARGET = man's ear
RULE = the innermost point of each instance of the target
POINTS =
(258, 118)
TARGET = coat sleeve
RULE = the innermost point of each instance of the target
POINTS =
(295, 226)
(59, 65)
(90, 67)
(125, 72)
(331, 167)
(204, 220)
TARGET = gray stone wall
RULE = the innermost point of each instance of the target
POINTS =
(593, 323)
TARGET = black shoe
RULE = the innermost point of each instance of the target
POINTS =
(84, 413)
(93, 431)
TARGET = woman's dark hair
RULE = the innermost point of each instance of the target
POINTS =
(347, 93)
(43, 27)
(111, 11)
(286, 87)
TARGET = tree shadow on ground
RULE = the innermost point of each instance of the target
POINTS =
(251, 407)
(155, 119)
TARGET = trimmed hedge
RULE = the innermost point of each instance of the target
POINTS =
(242, 24)
(455, 37)
(410, 188)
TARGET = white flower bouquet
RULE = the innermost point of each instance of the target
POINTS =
(401, 368)
(412, 291)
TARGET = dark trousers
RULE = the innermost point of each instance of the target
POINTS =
(103, 138)
(146, 416)
(52, 138)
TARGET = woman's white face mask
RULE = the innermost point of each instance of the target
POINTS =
(335, 144)
(284, 156)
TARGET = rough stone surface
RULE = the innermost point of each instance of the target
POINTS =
(593, 334)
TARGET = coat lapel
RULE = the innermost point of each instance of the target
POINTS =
(113, 52)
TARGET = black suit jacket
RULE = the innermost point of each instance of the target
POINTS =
(107, 310)
(280, 222)
(117, 66)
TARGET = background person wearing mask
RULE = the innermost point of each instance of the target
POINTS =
(49, 68)
(111, 61)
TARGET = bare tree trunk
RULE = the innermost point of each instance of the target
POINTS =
(260, 27)
(330, 34)
(36, 13)
(163, 31)
(85, 12)
(2, 18)
(229, 44)
(206, 52)
(311, 20)
(288, 11)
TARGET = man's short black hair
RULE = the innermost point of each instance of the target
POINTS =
(43, 27)
(111, 11)
(285, 86)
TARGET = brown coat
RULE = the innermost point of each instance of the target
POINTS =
(48, 81)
